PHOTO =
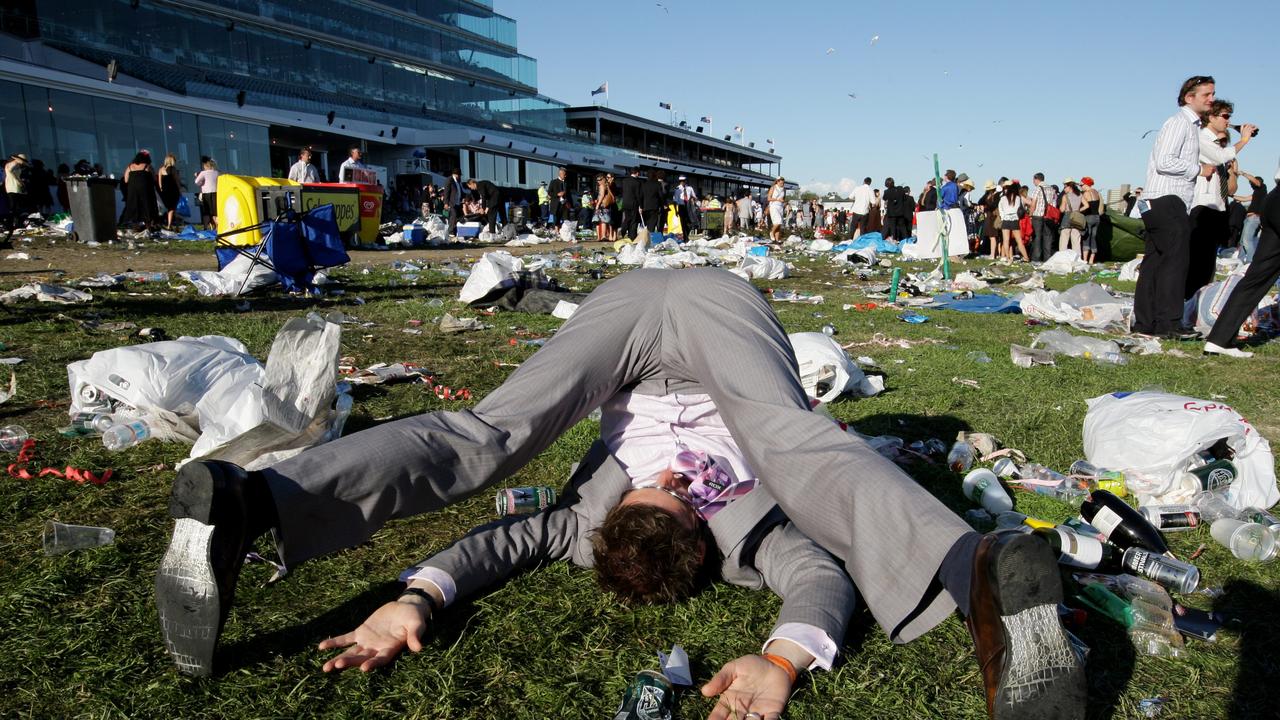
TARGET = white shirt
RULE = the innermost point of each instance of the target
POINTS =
(1009, 210)
(863, 196)
(1174, 162)
(1208, 190)
(644, 433)
(303, 172)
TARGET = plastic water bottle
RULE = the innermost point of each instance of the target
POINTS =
(124, 435)
(12, 437)
(983, 487)
(960, 459)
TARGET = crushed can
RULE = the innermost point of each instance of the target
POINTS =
(524, 500)
(649, 696)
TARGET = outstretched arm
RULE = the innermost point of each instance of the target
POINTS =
(817, 600)
(486, 555)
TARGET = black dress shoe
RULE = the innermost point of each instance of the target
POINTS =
(1028, 666)
(196, 582)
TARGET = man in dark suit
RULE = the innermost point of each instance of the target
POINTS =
(631, 196)
(488, 194)
(897, 217)
(453, 200)
(561, 203)
(652, 195)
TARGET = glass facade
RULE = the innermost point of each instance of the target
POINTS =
(505, 171)
(65, 127)
(197, 54)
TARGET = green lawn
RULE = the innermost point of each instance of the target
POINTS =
(80, 630)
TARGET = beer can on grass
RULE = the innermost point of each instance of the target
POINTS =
(1215, 476)
(649, 696)
(524, 500)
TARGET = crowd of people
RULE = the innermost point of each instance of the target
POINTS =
(151, 197)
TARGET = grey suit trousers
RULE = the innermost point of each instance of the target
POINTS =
(703, 328)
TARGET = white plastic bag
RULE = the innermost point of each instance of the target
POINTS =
(1129, 271)
(567, 230)
(1152, 435)
(230, 279)
(754, 267)
(1065, 262)
(494, 269)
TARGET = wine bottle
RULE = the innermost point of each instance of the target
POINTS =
(1076, 550)
(1122, 525)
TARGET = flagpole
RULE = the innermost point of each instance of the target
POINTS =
(606, 93)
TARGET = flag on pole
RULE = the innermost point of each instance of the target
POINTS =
(604, 88)
(706, 119)
(664, 106)
(737, 128)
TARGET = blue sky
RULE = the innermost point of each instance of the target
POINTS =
(995, 88)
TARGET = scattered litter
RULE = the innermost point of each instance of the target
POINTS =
(979, 357)
(1025, 357)
(1152, 707)
(5, 395)
(382, 373)
(913, 317)
(117, 326)
(1065, 262)
(882, 340)
(26, 454)
(12, 361)
(966, 382)
(564, 310)
(676, 666)
(46, 293)
(17, 256)
(451, 324)
(1089, 348)
(795, 297)
(60, 538)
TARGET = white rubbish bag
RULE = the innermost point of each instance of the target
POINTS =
(826, 372)
(567, 230)
(1153, 436)
(495, 269)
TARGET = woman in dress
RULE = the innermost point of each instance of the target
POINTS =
(874, 221)
(991, 221)
(170, 188)
(140, 193)
(207, 181)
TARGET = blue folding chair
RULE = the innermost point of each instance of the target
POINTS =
(294, 247)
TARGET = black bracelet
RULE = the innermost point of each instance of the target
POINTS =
(419, 592)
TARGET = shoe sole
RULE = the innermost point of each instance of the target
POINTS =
(187, 598)
(1043, 678)
(187, 594)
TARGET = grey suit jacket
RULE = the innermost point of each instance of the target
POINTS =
(759, 545)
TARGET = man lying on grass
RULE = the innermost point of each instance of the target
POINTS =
(648, 543)
(648, 339)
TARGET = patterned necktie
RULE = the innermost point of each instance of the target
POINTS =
(711, 487)
(1222, 184)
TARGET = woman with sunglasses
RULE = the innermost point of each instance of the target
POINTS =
(1209, 226)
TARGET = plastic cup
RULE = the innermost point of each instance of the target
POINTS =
(12, 437)
(60, 538)
(1248, 541)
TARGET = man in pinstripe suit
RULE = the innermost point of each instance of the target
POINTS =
(651, 333)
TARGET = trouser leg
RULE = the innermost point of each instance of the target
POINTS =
(1262, 273)
(1208, 230)
(1158, 299)
(891, 534)
(338, 494)
(454, 212)
(1041, 239)
(1249, 237)
(491, 219)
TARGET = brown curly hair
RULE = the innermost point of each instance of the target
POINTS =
(645, 554)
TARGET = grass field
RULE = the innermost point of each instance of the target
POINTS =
(80, 630)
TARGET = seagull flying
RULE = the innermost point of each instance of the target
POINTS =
(874, 39)
(854, 96)
(664, 8)
(1145, 134)
(830, 50)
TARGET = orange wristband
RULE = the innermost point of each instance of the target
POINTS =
(783, 663)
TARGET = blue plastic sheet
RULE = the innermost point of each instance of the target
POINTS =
(984, 303)
(872, 240)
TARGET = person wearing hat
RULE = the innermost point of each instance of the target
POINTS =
(1092, 216)
(17, 174)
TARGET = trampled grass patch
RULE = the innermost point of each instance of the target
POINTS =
(81, 629)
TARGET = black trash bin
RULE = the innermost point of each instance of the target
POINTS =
(93, 208)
